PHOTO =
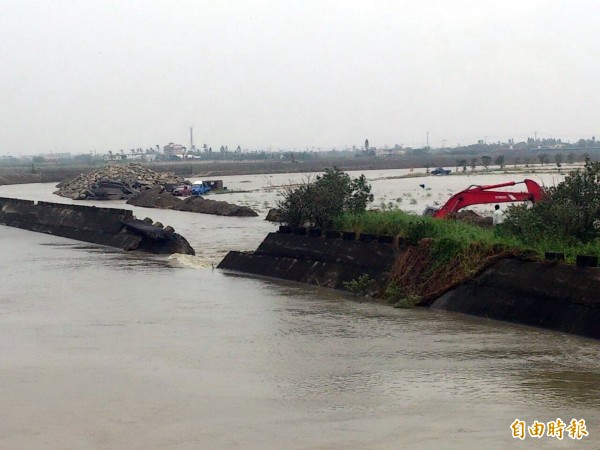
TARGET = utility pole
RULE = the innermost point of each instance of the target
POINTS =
(443, 144)
(535, 134)
(428, 139)
(191, 138)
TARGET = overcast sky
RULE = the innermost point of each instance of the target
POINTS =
(107, 75)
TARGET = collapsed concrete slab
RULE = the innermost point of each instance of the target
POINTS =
(105, 226)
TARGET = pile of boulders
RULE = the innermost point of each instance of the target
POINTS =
(275, 215)
(116, 182)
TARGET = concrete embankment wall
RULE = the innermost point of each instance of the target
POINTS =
(105, 226)
(554, 296)
(315, 260)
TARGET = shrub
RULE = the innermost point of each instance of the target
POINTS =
(363, 285)
(329, 196)
(569, 213)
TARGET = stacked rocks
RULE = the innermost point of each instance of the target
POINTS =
(116, 182)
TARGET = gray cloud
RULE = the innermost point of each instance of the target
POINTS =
(83, 75)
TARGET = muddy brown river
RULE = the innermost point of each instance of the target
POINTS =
(102, 349)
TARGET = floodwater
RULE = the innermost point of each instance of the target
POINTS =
(102, 349)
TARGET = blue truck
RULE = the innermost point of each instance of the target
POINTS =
(202, 187)
(440, 171)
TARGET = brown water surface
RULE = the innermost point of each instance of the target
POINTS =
(101, 349)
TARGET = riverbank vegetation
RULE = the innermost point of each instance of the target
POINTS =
(319, 202)
(441, 254)
(567, 221)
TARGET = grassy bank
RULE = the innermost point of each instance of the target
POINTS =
(455, 236)
(445, 253)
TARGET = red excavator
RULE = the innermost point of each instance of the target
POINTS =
(476, 195)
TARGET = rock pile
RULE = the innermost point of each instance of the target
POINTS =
(115, 182)
(274, 215)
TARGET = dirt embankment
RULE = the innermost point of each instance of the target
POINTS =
(159, 198)
(20, 178)
(20, 175)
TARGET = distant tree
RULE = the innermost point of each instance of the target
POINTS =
(571, 158)
(544, 158)
(558, 159)
(500, 161)
(461, 163)
(473, 163)
(366, 144)
(517, 161)
(486, 161)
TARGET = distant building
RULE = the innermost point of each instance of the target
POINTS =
(389, 152)
(178, 150)
(173, 149)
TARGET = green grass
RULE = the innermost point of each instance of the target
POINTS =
(452, 237)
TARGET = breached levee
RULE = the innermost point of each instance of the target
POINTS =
(106, 226)
(549, 295)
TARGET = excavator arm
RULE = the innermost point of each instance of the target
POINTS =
(476, 195)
